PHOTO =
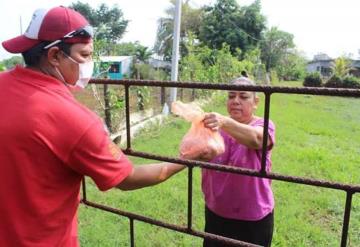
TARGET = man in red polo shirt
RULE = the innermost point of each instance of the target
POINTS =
(49, 141)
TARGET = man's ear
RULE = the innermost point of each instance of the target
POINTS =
(53, 56)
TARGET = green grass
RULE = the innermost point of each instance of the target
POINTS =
(316, 137)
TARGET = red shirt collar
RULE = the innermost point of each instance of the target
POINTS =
(38, 78)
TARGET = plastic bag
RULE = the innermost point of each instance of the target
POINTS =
(199, 141)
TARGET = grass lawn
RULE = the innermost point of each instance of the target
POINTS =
(316, 136)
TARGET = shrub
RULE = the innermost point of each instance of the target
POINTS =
(313, 80)
(335, 82)
(351, 82)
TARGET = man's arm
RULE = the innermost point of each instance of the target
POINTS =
(148, 175)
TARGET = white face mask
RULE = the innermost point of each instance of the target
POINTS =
(85, 72)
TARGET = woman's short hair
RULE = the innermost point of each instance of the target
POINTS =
(242, 81)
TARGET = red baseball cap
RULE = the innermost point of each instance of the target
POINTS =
(49, 25)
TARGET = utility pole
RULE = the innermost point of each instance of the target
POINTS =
(175, 50)
(21, 31)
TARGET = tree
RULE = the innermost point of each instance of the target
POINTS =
(275, 45)
(12, 62)
(292, 66)
(190, 22)
(341, 67)
(127, 48)
(142, 54)
(109, 23)
(227, 22)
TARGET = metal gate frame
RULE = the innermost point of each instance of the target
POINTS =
(349, 189)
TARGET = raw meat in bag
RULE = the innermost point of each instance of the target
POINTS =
(199, 141)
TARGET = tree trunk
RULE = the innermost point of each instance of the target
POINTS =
(162, 96)
(192, 94)
(181, 94)
(107, 108)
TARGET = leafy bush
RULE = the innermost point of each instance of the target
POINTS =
(335, 82)
(313, 80)
(274, 76)
(351, 82)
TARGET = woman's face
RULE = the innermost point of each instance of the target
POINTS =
(241, 105)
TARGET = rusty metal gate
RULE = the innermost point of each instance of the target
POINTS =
(349, 189)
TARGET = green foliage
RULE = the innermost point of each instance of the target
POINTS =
(142, 96)
(206, 65)
(274, 77)
(341, 67)
(145, 72)
(12, 62)
(275, 46)
(292, 66)
(109, 23)
(351, 82)
(142, 54)
(334, 82)
(348, 82)
(313, 80)
(126, 48)
(227, 22)
(117, 100)
(2, 67)
(191, 19)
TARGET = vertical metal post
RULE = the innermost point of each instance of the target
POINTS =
(84, 189)
(189, 214)
(127, 112)
(265, 132)
(132, 238)
(175, 50)
(346, 221)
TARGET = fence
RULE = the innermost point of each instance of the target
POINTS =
(349, 189)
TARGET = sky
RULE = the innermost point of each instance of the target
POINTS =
(318, 26)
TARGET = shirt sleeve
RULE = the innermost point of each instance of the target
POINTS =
(96, 156)
(271, 131)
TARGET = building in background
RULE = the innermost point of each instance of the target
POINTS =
(113, 67)
(323, 64)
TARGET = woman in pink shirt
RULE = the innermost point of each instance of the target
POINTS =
(239, 206)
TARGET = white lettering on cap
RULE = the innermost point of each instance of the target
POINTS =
(33, 29)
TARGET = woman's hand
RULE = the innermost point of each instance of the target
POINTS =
(206, 155)
(213, 121)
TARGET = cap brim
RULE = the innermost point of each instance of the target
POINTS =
(19, 44)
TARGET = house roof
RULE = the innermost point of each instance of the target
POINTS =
(356, 63)
(114, 58)
(157, 63)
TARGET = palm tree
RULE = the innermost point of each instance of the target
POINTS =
(142, 54)
(341, 66)
(190, 21)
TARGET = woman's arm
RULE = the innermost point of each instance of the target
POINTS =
(250, 136)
